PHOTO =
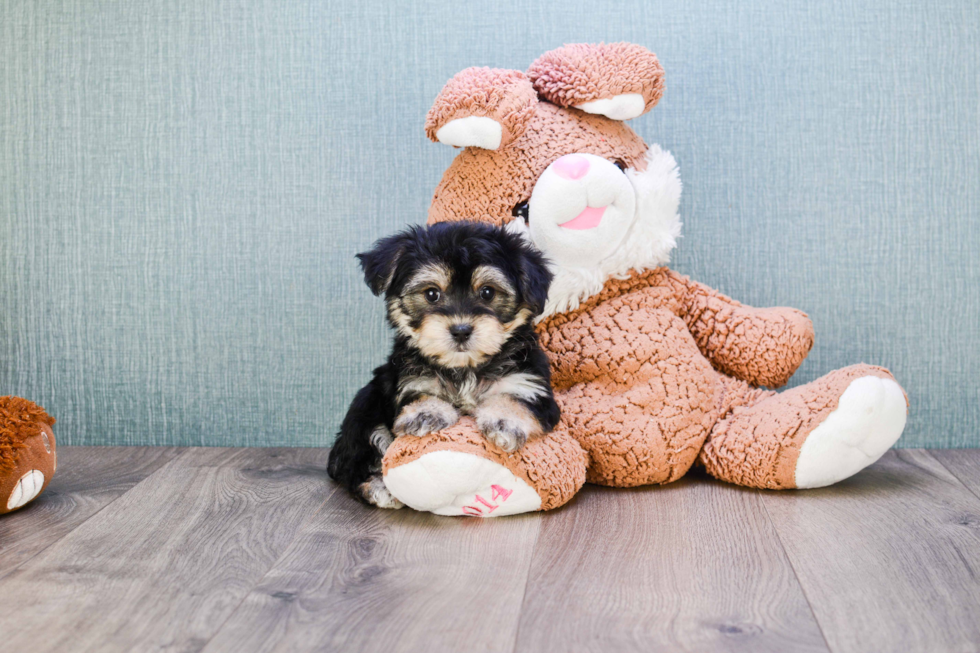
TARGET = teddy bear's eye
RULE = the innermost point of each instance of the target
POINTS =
(619, 163)
(521, 211)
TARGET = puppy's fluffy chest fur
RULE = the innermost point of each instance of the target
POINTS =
(466, 388)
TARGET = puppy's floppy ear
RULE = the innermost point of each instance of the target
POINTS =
(534, 278)
(381, 262)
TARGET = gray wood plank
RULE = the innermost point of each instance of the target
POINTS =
(694, 565)
(163, 566)
(362, 579)
(964, 464)
(87, 480)
(890, 558)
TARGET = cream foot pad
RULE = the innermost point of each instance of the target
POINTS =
(457, 472)
(869, 418)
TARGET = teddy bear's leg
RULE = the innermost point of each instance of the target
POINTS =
(634, 438)
(811, 436)
(456, 471)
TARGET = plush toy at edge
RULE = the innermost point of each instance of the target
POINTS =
(654, 372)
(27, 452)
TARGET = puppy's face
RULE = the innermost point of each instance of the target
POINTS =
(459, 316)
(458, 291)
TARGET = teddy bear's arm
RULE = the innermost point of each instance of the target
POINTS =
(762, 346)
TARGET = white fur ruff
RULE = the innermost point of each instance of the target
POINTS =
(651, 238)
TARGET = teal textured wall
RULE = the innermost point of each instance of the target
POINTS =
(183, 184)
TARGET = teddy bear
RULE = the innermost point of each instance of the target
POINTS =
(28, 458)
(654, 372)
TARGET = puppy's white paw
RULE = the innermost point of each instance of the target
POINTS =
(425, 416)
(381, 439)
(508, 434)
(374, 492)
(506, 422)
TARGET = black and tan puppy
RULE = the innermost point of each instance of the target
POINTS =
(461, 298)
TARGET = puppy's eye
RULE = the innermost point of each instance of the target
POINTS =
(487, 293)
(619, 163)
(521, 211)
(432, 295)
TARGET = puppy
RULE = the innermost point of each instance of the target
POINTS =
(461, 298)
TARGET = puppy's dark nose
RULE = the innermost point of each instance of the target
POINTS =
(461, 332)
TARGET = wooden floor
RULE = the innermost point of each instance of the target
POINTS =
(139, 549)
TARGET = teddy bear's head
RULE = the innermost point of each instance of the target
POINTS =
(548, 154)
(27, 452)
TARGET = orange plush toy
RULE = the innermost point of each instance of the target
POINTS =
(27, 452)
(654, 372)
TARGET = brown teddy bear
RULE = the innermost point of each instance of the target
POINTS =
(654, 372)
(28, 458)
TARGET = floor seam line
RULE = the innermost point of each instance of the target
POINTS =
(952, 473)
(94, 514)
(796, 575)
(527, 581)
(275, 562)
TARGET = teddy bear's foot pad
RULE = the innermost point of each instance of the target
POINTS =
(28, 486)
(869, 418)
(455, 483)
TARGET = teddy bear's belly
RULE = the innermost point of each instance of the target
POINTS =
(642, 397)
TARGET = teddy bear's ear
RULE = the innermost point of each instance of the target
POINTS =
(482, 107)
(616, 80)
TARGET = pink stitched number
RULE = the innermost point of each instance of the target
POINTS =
(498, 492)
(491, 506)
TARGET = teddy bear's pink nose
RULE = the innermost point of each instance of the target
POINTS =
(571, 166)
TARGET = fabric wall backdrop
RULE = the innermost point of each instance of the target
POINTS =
(183, 184)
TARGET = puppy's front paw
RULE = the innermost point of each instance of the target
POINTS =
(425, 416)
(508, 434)
(374, 492)
(506, 422)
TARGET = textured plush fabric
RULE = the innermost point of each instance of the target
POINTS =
(758, 442)
(576, 74)
(554, 465)
(506, 96)
(20, 420)
(27, 449)
(636, 372)
(648, 366)
(183, 184)
(495, 181)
